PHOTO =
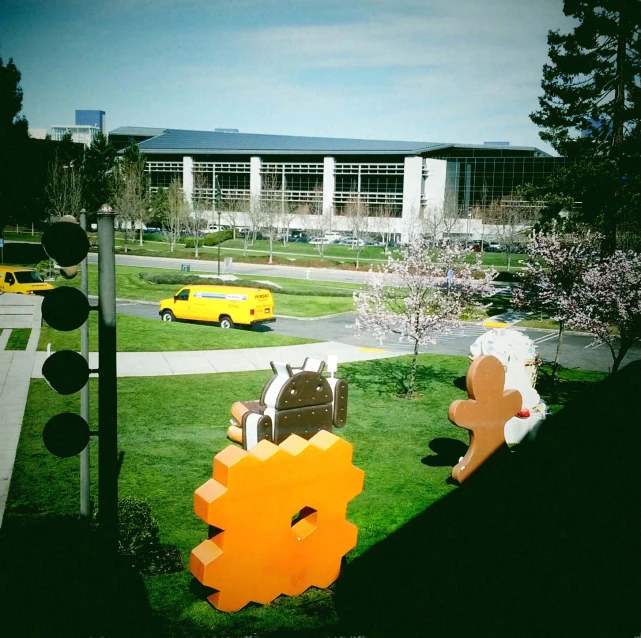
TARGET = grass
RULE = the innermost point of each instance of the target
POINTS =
(539, 321)
(169, 436)
(300, 303)
(138, 334)
(18, 339)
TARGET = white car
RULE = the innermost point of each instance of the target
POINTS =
(320, 241)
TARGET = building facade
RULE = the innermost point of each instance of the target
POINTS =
(395, 186)
(79, 134)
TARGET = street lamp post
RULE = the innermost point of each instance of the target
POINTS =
(218, 211)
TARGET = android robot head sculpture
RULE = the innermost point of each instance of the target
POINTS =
(295, 401)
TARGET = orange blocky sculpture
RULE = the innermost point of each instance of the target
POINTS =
(278, 518)
(484, 414)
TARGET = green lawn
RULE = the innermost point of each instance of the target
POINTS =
(138, 334)
(168, 453)
(299, 300)
(18, 339)
(539, 321)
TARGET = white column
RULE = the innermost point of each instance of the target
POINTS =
(255, 185)
(412, 190)
(329, 184)
(435, 183)
(188, 178)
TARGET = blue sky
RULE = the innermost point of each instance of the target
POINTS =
(463, 71)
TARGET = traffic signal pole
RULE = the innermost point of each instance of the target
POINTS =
(84, 393)
(107, 388)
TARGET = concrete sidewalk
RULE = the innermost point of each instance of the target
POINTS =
(155, 364)
(16, 370)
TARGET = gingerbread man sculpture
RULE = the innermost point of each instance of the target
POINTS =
(484, 414)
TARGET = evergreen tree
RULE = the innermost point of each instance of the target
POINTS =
(591, 111)
(99, 162)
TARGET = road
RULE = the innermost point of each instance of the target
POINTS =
(579, 351)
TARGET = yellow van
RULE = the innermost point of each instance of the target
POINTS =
(21, 280)
(228, 305)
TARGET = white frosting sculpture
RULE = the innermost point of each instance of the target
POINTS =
(519, 355)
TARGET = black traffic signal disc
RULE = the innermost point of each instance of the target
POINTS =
(65, 308)
(66, 434)
(66, 243)
(66, 371)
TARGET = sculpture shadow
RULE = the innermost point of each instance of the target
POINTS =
(446, 452)
(461, 383)
(539, 542)
(56, 580)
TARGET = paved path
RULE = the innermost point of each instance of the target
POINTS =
(154, 364)
(16, 369)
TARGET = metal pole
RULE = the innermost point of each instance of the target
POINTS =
(218, 211)
(107, 388)
(84, 393)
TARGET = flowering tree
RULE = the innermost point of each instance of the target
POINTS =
(554, 266)
(413, 297)
(607, 303)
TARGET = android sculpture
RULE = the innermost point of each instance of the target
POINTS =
(484, 414)
(277, 509)
(295, 401)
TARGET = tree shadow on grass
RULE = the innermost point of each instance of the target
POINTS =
(56, 580)
(390, 376)
(538, 542)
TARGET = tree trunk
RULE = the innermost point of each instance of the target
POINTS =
(271, 246)
(508, 260)
(196, 245)
(412, 380)
(623, 350)
(559, 348)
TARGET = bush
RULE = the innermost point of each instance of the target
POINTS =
(154, 237)
(507, 276)
(213, 239)
(189, 242)
(137, 527)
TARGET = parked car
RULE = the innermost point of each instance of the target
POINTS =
(304, 240)
(320, 240)
(22, 280)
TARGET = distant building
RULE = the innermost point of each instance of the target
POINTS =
(400, 183)
(92, 118)
(79, 134)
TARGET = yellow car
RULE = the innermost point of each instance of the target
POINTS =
(21, 280)
(227, 305)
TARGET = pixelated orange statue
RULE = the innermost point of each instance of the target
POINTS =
(278, 518)
(484, 414)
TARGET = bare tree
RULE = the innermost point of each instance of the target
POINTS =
(233, 210)
(201, 205)
(130, 198)
(357, 213)
(512, 218)
(384, 222)
(175, 213)
(318, 224)
(433, 223)
(63, 190)
(271, 203)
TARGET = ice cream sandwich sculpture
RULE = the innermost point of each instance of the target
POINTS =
(295, 401)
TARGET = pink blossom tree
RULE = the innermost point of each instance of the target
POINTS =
(555, 264)
(607, 303)
(413, 297)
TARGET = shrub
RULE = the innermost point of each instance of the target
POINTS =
(137, 528)
(154, 237)
(24, 253)
(213, 239)
(189, 242)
